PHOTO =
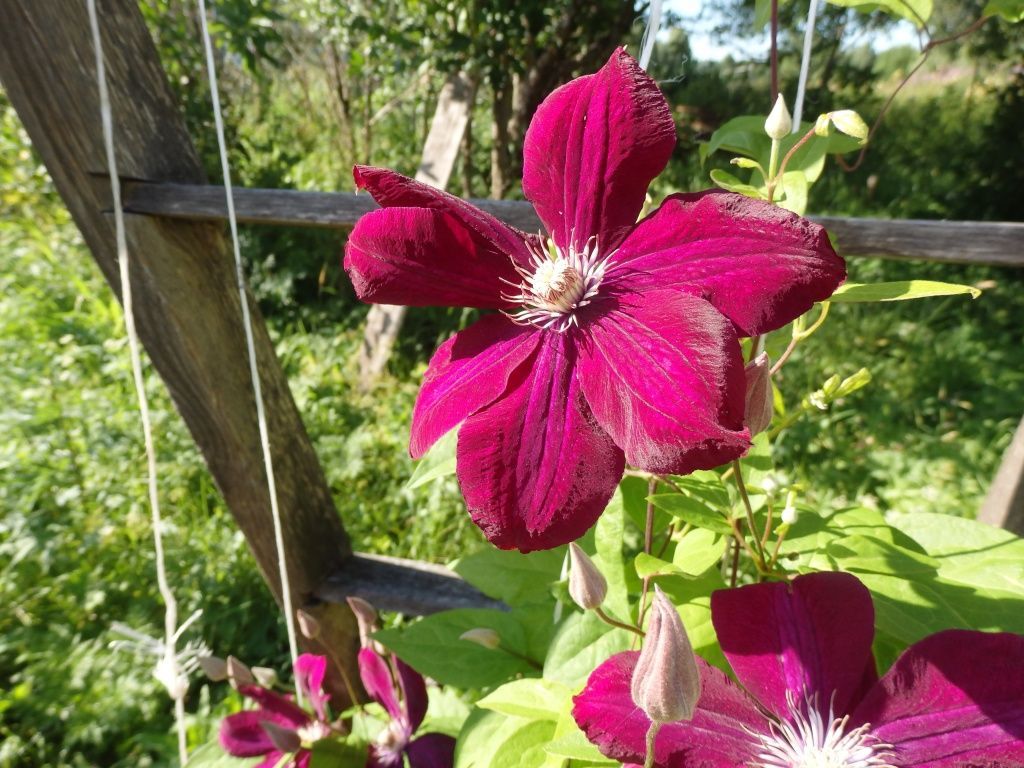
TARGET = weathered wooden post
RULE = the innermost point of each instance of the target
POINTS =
(187, 305)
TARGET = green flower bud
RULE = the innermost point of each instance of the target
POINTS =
(779, 123)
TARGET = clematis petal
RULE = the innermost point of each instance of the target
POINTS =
(383, 758)
(284, 710)
(392, 189)
(720, 735)
(242, 734)
(468, 372)
(761, 266)
(592, 149)
(422, 257)
(376, 677)
(310, 670)
(951, 700)
(535, 468)
(432, 750)
(810, 637)
(663, 373)
(414, 693)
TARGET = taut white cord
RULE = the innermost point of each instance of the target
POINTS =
(168, 665)
(257, 389)
(805, 65)
(650, 33)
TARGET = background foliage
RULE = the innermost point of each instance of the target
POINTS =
(311, 88)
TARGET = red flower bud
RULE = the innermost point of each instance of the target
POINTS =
(587, 586)
(760, 403)
(666, 681)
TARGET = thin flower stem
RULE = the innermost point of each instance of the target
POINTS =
(616, 623)
(734, 576)
(652, 734)
(773, 177)
(767, 526)
(652, 486)
(792, 151)
(785, 355)
(668, 538)
(775, 551)
(670, 483)
(800, 335)
(742, 488)
(737, 530)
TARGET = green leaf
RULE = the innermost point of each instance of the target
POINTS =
(1011, 10)
(574, 746)
(608, 539)
(865, 554)
(212, 755)
(699, 550)
(438, 462)
(648, 565)
(493, 740)
(579, 645)
(730, 183)
(432, 647)
(968, 552)
(706, 486)
(533, 698)
(691, 511)
(916, 11)
(335, 754)
(901, 290)
(512, 577)
(794, 184)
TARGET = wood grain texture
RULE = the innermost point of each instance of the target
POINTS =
(1004, 504)
(183, 275)
(956, 242)
(406, 586)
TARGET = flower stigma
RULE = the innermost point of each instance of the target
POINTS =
(556, 284)
(809, 740)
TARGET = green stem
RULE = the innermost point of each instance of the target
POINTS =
(652, 734)
(773, 167)
(616, 623)
(742, 488)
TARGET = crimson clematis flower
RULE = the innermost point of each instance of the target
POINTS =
(617, 341)
(279, 728)
(813, 698)
(407, 707)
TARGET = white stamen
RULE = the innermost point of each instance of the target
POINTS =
(557, 285)
(809, 740)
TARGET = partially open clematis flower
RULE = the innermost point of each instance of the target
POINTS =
(812, 698)
(616, 340)
(406, 703)
(279, 730)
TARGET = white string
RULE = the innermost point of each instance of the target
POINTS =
(169, 662)
(257, 390)
(805, 65)
(650, 34)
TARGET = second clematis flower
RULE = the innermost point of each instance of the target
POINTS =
(617, 341)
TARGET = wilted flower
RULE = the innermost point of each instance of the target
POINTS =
(810, 694)
(666, 682)
(616, 340)
(279, 730)
(587, 585)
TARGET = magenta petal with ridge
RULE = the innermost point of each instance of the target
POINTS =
(376, 677)
(663, 374)
(414, 693)
(760, 265)
(811, 637)
(718, 736)
(310, 670)
(242, 734)
(421, 257)
(468, 372)
(592, 149)
(952, 700)
(535, 468)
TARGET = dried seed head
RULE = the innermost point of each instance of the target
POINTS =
(239, 674)
(779, 123)
(488, 638)
(214, 667)
(587, 586)
(760, 403)
(666, 681)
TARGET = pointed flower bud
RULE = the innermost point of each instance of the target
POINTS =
(587, 586)
(488, 638)
(366, 617)
(308, 625)
(283, 739)
(239, 674)
(214, 667)
(789, 514)
(265, 676)
(779, 123)
(760, 403)
(666, 681)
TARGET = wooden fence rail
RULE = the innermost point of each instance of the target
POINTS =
(953, 242)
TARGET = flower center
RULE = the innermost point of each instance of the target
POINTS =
(313, 732)
(810, 740)
(556, 284)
